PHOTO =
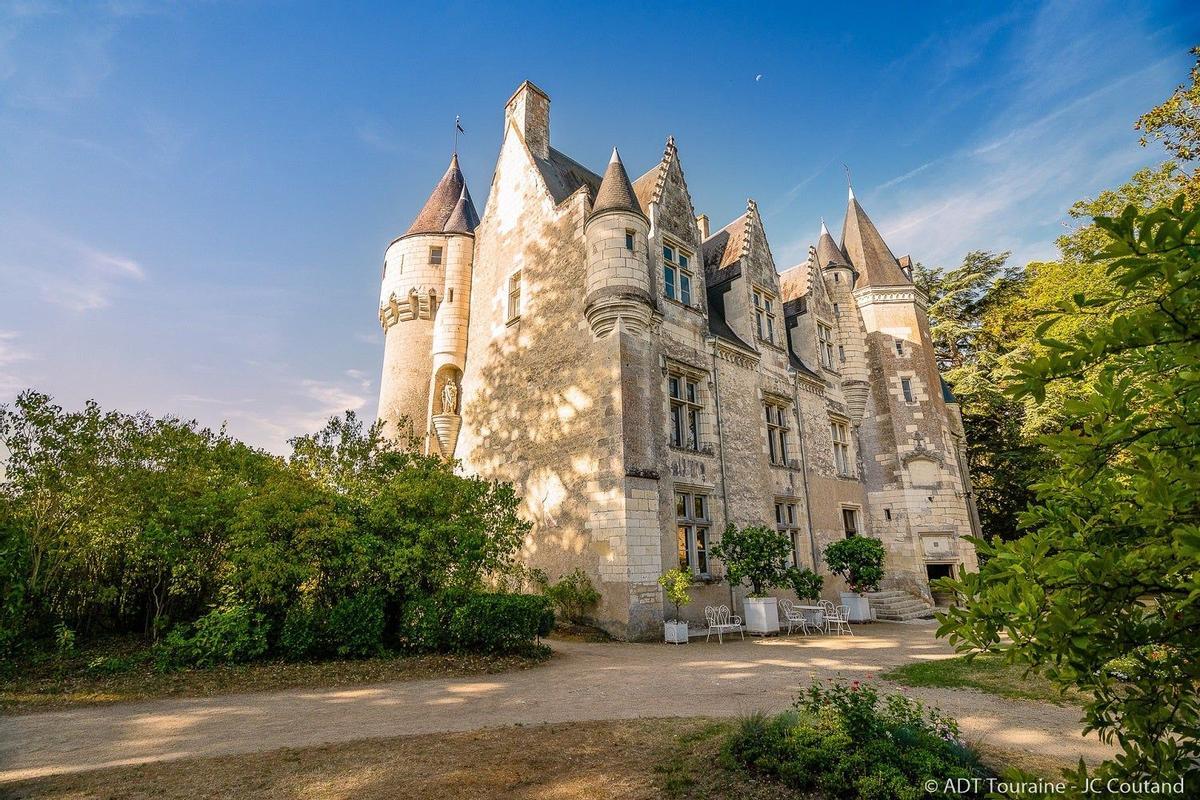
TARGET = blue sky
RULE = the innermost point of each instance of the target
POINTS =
(195, 197)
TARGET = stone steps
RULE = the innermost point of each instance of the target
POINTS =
(897, 606)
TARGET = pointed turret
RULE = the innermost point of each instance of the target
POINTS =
(828, 253)
(440, 207)
(463, 218)
(866, 250)
(616, 192)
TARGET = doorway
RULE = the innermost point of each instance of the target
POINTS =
(935, 571)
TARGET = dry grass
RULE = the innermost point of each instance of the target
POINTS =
(120, 670)
(674, 758)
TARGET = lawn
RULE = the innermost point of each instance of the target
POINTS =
(986, 672)
(121, 669)
(674, 758)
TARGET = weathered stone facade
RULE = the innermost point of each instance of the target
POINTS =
(643, 381)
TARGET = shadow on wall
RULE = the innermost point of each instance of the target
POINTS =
(540, 401)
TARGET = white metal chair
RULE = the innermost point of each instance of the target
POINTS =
(793, 616)
(721, 621)
(836, 618)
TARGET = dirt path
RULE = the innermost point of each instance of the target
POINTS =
(582, 682)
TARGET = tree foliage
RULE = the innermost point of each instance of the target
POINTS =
(1176, 124)
(118, 522)
(859, 560)
(1108, 567)
(755, 554)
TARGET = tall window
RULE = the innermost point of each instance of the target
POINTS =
(777, 434)
(764, 315)
(514, 296)
(785, 523)
(691, 514)
(841, 354)
(628, 240)
(677, 274)
(906, 387)
(435, 255)
(841, 447)
(899, 347)
(825, 345)
(850, 522)
(685, 411)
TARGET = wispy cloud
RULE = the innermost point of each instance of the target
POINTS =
(11, 354)
(912, 173)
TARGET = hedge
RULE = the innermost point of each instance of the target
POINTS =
(478, 623)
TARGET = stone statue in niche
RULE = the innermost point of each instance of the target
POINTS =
(450, 397)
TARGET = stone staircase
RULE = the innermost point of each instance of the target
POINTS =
(898, 606)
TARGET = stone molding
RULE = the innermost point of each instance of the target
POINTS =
(869, 295)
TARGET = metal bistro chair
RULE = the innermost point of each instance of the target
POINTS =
(836, 618)
(793, 616)
(720, 622)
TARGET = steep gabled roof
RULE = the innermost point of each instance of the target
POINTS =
(443, 203)
(795, 282)
(564, 175)
(615, 192)
(717, 324)
(868, 253)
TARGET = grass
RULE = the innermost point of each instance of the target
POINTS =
(121, 669)
(648, 758)
(987, 672)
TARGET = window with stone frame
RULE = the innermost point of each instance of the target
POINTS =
(850, 522)
(514, 296)
(683, 392)
(840, 433)
(825, 345)
(787, 523)
(777, 433)
(678, 278)
(630, 238)
(692, 519)
(435, 256)
(906, 389)
(764, 315)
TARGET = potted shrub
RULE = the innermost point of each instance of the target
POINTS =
(858, 559)
(806, 584)
(758, 556)
(675, 584)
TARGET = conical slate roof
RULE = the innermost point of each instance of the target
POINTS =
(827, 251)
(616, 192)
(868, 253)
(436, 215)
(463, 218)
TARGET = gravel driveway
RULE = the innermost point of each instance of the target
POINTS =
(581, 682)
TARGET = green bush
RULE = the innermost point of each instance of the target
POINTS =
(806, 583)
(573, 595)
(355, 625)
(754, 554)
(858, 559)
(846, 742)
(230, 633)
(300, 637)
(478, 623)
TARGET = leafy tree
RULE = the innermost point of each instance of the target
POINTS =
(675, 584)
(1176, 123)
(859, 560)
(1110, 564)
(756, 554)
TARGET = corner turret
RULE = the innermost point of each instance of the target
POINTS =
(618, 275)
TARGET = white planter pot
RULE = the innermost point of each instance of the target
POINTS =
(858, 605)
(675, 632)
(761, 615)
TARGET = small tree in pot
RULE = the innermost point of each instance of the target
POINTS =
(859, 560)
(806, 584)
(758, 556)
(675, 584)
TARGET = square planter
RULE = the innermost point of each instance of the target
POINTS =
(675, 632)
(761, 615)
(858, 605)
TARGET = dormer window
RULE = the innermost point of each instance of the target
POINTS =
(677, 274)
(764, 315)
(435, 256)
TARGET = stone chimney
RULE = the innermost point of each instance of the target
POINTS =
(529, 110)
(702, 226)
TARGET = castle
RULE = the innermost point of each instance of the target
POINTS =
(643, 380)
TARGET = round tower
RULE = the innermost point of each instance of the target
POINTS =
(618, 289)
(835, 268)
(424, 303)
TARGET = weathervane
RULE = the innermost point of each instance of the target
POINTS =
(458, 128)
